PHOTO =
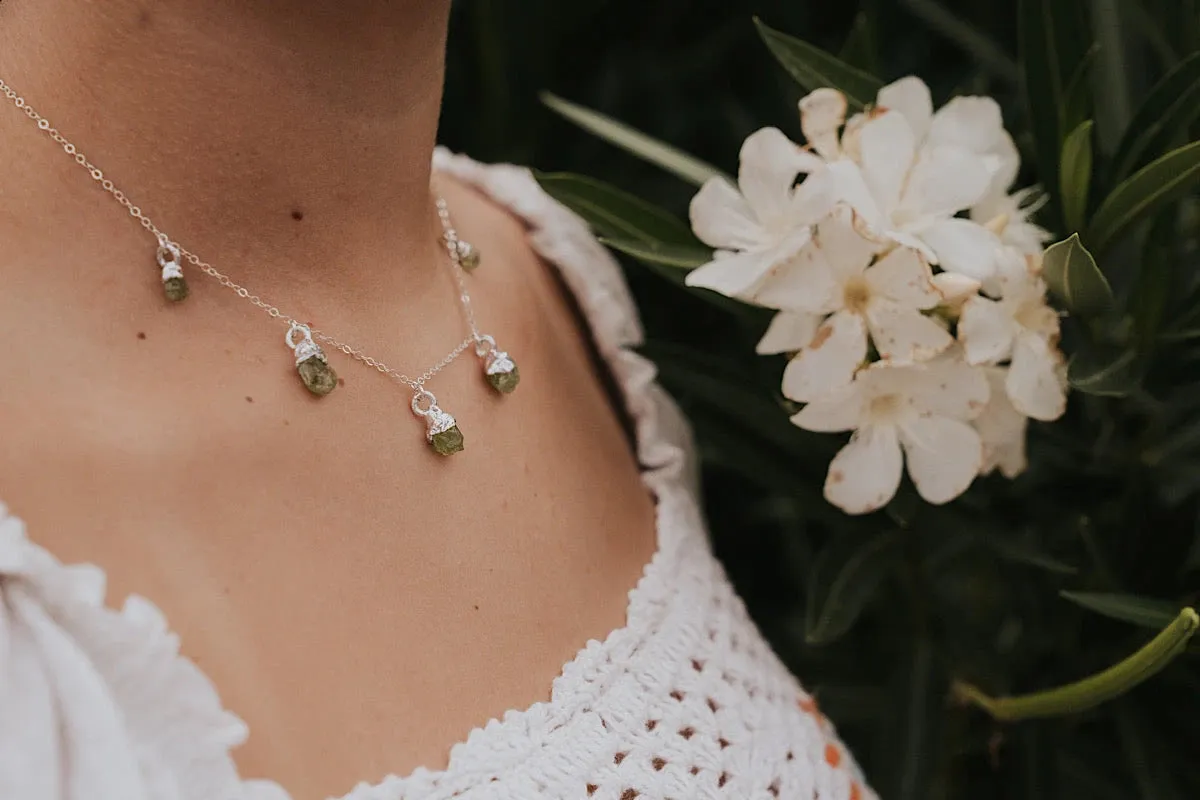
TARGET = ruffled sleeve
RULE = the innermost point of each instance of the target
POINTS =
(97, 704)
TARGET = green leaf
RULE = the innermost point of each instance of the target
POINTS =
(813, 68)
(647, 148)
(1152, 287)
(1103, 371)
(845, 578)
(1172, 105)
(1038, 23)
(1078, 103)
(915, 726)
(1073, 277)
(1144, 193)
(1146, 612)
(615, 213)
(683, 257)
(1076, 175)
(859, 48)
(1020, 552)
(1095, 689)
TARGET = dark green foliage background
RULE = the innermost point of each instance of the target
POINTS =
(970, 590)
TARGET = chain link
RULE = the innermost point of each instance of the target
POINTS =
(450, 238)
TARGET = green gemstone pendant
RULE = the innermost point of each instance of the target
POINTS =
(447, 442)
(176, 289)
(468, 256)
(441, 431)
(175, 286)
(315, 373)
(502, 372)
(498, 367)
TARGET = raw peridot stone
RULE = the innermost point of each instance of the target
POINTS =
(176, 289)
(505, 381)
(319, 378)
(470, 259)
(447, 442)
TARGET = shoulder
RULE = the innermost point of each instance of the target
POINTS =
(558, 236)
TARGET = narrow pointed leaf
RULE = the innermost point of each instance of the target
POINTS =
(1103, 371)
(1172, 105)
(647, 148)
(681, 257)
(1153, 284)
(813, 68)
(1147, 612)
(1076, 175)
(1144, 193)
(1096, 689)
(1077, 105)
(1038, 23)
(859, 49)
(615, 213)
(1074, 278)
(846, 577)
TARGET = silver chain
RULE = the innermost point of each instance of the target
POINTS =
(450, 237)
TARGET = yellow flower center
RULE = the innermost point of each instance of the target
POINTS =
(855, 295)
(886, 408)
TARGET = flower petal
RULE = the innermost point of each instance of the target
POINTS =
(803, 282)
(986, 331)
(813, 198)
(964, 247)
(944, 456)
(769, 164)
(950, 387)
(1002, 429)
(910, 96)
(829, 361)
(788, 332)
(822, 114)
(734, 274)
(865, 474)
(954, 288)
(974, 123)
(902, 275)
(721, 217)
(946, 180)
(888, 147)
(849, 186)
(843, 240)
(840, 410)
(1034, 383)
(903, 335)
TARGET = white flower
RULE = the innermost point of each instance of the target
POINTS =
(762, 222)
(917, 414)
(837, 274)
(975, 124)
(1021, 328)
(1002, 429)
(917, 169)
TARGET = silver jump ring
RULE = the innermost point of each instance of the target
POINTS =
(423, 402)
(484, 344)
(289, 337)
(168, 253)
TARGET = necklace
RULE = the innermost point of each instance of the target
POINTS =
(441, 429)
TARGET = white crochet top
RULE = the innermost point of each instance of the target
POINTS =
(685, 702)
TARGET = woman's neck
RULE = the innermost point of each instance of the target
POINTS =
(262, 130)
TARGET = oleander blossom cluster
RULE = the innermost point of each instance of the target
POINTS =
(906, 278)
